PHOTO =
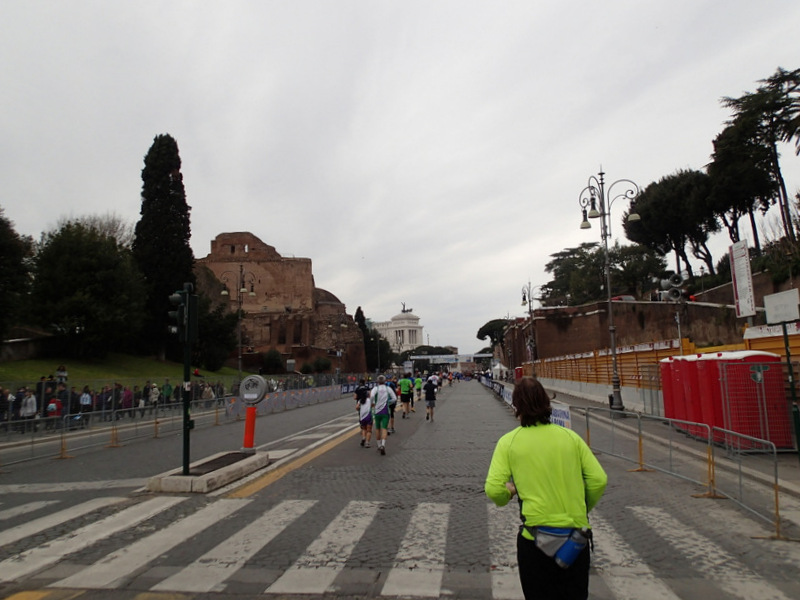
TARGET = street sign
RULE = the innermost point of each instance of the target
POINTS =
(782, 307)
(253, 389)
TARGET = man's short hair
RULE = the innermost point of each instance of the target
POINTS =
(381, 379)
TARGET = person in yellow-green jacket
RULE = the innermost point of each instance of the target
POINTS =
(558, 481)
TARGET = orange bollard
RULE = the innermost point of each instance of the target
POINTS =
(249, 429)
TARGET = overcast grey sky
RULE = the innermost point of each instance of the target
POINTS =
(423, 152)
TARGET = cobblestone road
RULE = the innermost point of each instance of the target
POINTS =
(354, 524)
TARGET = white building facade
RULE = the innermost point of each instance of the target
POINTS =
(403, 331)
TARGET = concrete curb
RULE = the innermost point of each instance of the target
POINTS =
(176, 483)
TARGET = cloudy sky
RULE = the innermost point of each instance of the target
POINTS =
(426, 152)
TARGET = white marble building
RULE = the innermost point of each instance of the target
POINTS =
(402, 331)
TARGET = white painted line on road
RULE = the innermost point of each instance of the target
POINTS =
(419, 565)
(28, 507)
(279, 454)
(622, 569)
(315, 571)
(503, 528)
(279, 463)
(118, 566)
(57, 518)
(708, 557)
(70, 486)
(36, 559)
(209, 572)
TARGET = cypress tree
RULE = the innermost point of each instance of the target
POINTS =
(161, 243)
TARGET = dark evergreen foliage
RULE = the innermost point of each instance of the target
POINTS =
(161, 244)
(87, 291)
(273, 362)
(15, 251)
(217, 335)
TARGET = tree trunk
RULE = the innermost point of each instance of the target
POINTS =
(756, 242)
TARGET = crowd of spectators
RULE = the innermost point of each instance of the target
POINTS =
(52, 403)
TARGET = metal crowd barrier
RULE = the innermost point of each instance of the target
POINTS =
(726, 463)
(57, 437)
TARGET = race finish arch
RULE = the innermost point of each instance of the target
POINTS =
(446, 359)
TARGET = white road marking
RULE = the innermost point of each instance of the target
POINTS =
(70, 486)
(708, 557)
(419, 564)
(31, 561)
(115, 568)
(503, 528)
(622, 569)
(17, 511)
(315, 571)
(209, 572)
(57, 518)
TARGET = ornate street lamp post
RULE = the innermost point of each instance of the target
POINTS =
(595, 201)
(377, 339)
(243, 279)
(527, 298)
(338, 347)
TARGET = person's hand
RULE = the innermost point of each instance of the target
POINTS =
(512, 489)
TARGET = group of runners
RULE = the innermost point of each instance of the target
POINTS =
(376, 407)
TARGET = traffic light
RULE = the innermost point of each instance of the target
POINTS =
(178, 316)
(184, 316)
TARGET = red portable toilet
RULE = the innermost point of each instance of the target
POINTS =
(667, 390)
(692, 395)
(710, 393)
(753, 397)
(678, 391)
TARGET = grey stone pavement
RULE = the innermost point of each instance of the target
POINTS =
(654, 537)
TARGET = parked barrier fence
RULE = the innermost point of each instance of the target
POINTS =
(741, 468)
(61, 437)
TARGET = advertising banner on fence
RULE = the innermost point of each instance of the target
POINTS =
(560, 414)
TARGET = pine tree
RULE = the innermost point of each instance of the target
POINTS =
(14, 281)
(161, 244)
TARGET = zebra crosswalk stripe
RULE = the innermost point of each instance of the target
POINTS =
(38, 558)
(315, 571)
(11, 513)
(503, 528)
(418, 569)
(419, 565)
(709, 558)
(117, 566)
(622, 569)
(209, 572)
(24, 530)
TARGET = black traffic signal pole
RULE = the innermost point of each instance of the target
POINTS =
(186, 318)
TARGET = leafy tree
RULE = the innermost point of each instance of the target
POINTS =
(216, 334)
(381, 351)
(161, 244)
(740, 177)
(15, 250)
(273, 362)
(87, 290)
(321, 365)
(494, 331)
(578, 275)
(361, 321)
(109, 225)
(774, 107)
(675, 212)
(635, 267)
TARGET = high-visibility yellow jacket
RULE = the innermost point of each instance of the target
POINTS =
(557, 477)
